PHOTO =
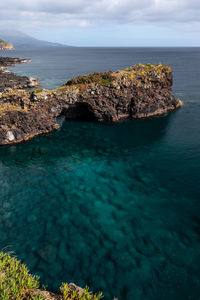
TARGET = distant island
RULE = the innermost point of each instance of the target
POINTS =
(21, 40)
(5, 45)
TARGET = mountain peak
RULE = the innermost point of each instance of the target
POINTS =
(22, 40)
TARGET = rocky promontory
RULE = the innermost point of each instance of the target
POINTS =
(139, 91)
(9, 80)
(5, 45)
(12, 61)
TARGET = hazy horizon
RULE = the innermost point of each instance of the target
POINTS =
(145, 23)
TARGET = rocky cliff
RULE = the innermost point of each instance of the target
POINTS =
(137, 92)
(5, 45)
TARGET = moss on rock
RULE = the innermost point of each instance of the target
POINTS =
(97, 78)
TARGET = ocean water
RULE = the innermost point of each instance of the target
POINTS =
(115, 207)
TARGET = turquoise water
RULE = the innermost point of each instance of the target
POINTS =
(115, 207)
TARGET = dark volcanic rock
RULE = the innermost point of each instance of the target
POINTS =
(136, 92)
(9, 80)
(11, 61)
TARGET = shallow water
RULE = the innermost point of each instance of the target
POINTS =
(115, 207)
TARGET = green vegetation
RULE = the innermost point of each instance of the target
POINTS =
(145, 75)
(8, 107)
(38, 91)
(97, 78)
(68, 294)
(16, 283)
(15, 280)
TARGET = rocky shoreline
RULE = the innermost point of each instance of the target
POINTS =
(12, 61)
(137, 92)
(8, 80)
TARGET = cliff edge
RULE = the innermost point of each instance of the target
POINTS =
(16, 283)
(137, 92)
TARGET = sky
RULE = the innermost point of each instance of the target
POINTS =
(106, 22)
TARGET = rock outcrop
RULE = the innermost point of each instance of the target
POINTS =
(12, 61)
(5, 45)
(9, 80)
(137, 92)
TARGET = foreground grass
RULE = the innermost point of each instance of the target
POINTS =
(16, 283)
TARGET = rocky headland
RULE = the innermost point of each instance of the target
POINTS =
(5, 45)
(8, 80)
(139, 91)
(12, 61)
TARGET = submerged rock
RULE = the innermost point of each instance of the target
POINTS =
(137, 92)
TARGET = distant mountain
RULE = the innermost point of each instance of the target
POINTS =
(21, 40)
(5, 45)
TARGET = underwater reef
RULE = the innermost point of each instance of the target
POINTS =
(139, 91)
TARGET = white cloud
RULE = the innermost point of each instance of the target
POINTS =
(83, 13)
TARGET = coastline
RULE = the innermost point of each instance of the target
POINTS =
(9, 80)
(139, 91)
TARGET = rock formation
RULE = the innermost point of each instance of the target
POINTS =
(5, 45)
(12, 61)
(137, 92)
(9, 80)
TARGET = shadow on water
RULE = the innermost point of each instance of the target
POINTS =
(80, 205)
(76, 138)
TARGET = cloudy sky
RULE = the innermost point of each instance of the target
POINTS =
(106, 22)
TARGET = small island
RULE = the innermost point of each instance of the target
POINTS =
(140, 91)
(5, 45)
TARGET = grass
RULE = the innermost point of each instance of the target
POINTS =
(38, 91)
(16, 283)
(15, 279)
(69, 294)
(97, 78)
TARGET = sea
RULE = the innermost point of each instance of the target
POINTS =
(113, 207)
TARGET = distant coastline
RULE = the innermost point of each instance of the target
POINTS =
(20, 40)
